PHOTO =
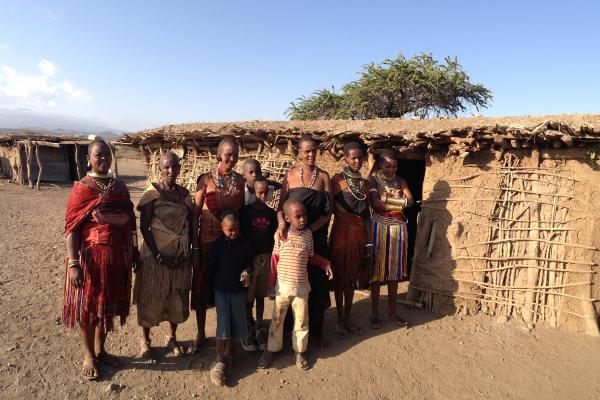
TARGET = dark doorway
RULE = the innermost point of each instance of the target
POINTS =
(413, 172)
(70, 156)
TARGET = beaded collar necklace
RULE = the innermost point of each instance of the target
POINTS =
(355, 183)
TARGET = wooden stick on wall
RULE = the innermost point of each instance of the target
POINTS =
(115, 163)
(39, 163)
(29, 156)
(77, 163)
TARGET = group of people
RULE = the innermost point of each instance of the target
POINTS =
(229, 249)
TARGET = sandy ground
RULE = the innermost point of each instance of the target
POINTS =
(437, 357)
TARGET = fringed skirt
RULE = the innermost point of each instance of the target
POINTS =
(105, 260)
(389, 247)
(347, 251)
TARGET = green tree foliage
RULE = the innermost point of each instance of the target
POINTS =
(420, 86)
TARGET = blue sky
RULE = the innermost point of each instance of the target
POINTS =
(139, 64)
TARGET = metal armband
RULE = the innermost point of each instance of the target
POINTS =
(395, 203)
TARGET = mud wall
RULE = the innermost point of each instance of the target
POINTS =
(511, 235)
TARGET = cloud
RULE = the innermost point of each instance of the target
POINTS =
(4, 47)
(42, 90)
(52, 16)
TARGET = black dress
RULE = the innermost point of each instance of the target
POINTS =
(317, 205)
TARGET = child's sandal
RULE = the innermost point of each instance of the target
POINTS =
(265, 360)
(217, 373)
(301, 362)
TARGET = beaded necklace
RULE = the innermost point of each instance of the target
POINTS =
(383, 181)
(313, 177)
(357, 189)
(223, 188)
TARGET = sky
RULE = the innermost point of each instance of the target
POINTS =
(141, 64)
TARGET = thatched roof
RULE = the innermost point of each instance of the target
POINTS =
(9, 139)
(459, 134)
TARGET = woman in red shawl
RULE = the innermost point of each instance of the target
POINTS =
(100, 229)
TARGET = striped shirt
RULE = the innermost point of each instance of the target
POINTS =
(291, 259)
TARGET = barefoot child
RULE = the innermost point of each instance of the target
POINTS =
(259, 223)
(289, 283)
(227, 274)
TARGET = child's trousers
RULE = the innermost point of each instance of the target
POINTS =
(300, 332)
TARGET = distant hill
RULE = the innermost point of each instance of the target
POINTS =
(52, 124)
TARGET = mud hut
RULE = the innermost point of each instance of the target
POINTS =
(508, 208)
(29, 159)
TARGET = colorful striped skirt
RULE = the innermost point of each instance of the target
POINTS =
(389, 242)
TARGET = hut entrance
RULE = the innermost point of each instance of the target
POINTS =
(413, 172)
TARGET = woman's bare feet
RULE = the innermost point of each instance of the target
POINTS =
(88, 369)
(146, 352)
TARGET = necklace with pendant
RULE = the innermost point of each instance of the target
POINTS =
(313, 177)
(104, 188)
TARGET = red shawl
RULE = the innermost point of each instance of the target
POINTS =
(84, 198)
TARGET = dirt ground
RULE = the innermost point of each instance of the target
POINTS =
(437, 357)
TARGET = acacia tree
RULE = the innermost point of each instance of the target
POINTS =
(420, 86)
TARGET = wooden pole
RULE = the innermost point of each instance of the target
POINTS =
(533, 257)
(29, 156)
(39, 163)
(115, 163)
(77, 162)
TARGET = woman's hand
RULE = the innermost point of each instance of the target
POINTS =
(281, 232)
(76, 277)
(329, 272)
(245, 279)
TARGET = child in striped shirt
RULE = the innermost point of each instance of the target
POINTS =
(289, 284)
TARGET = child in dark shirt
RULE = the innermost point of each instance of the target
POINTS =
(228, 273)
(259, 223)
